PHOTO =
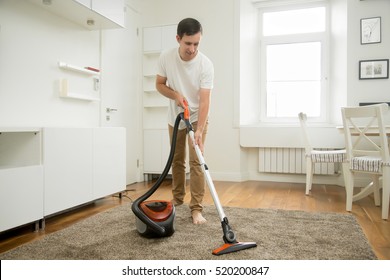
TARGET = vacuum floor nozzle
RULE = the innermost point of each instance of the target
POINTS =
(233, 247)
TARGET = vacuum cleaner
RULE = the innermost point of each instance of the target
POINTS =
(156, 218)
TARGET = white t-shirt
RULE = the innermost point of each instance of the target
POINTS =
(187, 78)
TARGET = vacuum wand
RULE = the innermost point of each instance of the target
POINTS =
(229, 237)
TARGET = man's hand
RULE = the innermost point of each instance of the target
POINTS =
(199, 140)
(180, 99)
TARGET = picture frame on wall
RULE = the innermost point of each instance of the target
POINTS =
(370, 30)
(374, 69)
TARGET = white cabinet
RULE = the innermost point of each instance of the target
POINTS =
(68, 165)
(91, 14)
(109, 161)
(81, 165)
(156, 138)
(21, 196)
(78, 165)
(86, 3)
(111, 9)
(21, 177)
(158, 38)
(155, 40)
(156, 150)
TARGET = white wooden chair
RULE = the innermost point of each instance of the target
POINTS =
(367, 153)
(314, 156)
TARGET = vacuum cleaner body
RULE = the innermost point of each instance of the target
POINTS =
(159, 211)
(156, 218)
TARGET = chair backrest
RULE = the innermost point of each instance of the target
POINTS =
(365, 132)
(302, 120)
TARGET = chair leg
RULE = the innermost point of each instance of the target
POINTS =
(385, 192)
(376, 183)
(309, 174)
(348, 180)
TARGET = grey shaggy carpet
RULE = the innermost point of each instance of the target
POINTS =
(279, 234)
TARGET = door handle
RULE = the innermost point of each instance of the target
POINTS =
(110, 110)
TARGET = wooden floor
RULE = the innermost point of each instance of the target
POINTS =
(250, 194)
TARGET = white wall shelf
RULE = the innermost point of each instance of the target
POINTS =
(151, 91)
(152, 53)
(80, 97)
(150, 76)
(20, 129)
(78, 69)
(91, 92)
(151, 105)
(65, 93)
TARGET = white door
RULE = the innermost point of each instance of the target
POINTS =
(120, 91)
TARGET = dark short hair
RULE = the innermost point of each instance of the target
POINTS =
(189, 27)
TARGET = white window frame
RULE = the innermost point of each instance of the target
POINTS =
(322, 37)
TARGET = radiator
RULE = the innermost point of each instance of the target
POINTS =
(291, 161)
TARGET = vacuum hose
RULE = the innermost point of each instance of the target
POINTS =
(136, 204)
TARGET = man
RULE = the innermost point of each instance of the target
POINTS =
(184, 73)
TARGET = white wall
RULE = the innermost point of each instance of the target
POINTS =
(248, 71)
(338, 53)
(32, 41)
(367, 90)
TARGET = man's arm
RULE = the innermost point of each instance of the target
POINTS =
(161, 86)
(204, 107)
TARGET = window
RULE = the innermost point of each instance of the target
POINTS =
(293, 51)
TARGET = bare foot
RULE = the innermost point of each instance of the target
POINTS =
(197, 218)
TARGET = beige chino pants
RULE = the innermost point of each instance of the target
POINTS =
(197, 179)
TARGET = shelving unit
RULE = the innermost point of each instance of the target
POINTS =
(155, 106)
(21, 176)
(44, 171)
(20, 147)
(91, 92)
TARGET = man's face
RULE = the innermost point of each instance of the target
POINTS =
(188, 45)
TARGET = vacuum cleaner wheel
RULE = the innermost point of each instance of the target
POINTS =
(161, 212)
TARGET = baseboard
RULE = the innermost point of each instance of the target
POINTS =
(230, 176)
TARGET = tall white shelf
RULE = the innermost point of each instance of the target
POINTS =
(21, 177)
(156, 138)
